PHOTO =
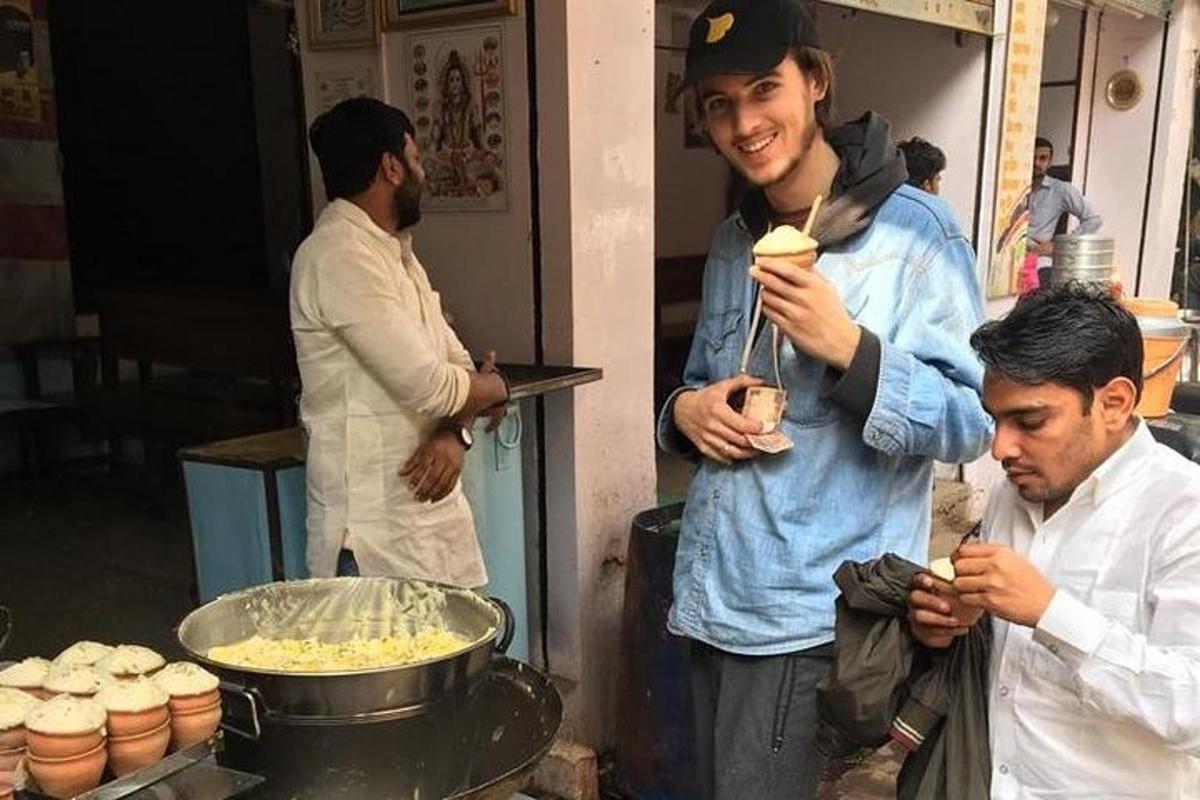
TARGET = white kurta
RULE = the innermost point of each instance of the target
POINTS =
(379, 367)
(1102, 699)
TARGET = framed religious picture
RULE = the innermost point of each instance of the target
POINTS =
(413, 13)
(341, 23)
(457, 91)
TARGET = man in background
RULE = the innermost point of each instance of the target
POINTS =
(389, 392)
(926, 163)
(1049, 199)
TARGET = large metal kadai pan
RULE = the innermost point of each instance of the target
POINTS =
(337, 609)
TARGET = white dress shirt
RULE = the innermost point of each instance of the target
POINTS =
(379, 367)
(1102, 700)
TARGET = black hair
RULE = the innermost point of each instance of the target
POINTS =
(1075, 335)
(924, 160)
(351, 138)
(817, 63)
(1042, 141)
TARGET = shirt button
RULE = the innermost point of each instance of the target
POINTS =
(1004, 691)
(1004, 769)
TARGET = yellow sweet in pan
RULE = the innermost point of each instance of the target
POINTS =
(311, 655)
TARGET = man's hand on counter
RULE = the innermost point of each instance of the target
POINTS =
(434, 468)
(488, 390)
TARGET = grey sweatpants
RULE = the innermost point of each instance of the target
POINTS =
(756, 719)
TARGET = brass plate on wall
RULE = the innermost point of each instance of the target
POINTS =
(1123, 90)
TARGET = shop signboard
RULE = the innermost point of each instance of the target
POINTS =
(1018, 128)
(965, 15)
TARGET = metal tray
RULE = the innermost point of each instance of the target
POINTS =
(189, 773)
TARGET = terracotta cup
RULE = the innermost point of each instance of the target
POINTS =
(10, 758)
(67, 777)
(127, 754)
(62, 745)
(13, 737)
(132, 723)
(182, 703)
(190, 727)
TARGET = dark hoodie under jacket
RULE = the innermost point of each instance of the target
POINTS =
(886, 685)
(872, 167)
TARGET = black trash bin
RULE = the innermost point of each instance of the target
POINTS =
(656, 742)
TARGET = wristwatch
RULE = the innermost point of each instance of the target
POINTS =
(463, 432)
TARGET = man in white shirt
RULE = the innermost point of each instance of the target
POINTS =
(389, 392)
(1090, 565)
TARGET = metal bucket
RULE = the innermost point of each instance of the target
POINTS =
(1087, 258)
(337, 609)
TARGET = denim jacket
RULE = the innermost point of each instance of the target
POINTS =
(761, 539)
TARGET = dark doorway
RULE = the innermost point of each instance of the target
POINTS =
(177, 170)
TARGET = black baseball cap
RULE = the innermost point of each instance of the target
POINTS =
(746, 37)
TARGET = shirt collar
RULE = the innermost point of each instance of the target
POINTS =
(344, 209)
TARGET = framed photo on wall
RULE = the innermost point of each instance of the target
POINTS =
(341, 23)
(457, 90)
(414, 13)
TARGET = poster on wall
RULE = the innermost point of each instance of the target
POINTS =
(458, 104)
(20, 96)
(334, 86)
(1022, 87)
(341, 23)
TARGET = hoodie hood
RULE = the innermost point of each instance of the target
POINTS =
(871, 169)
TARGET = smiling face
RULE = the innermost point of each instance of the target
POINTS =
(765, 125)
(1049, 439)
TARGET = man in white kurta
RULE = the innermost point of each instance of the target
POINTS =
(382, 373)
(1090, 566)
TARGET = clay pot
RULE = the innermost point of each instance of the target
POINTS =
(63, 745)
(38, 692)
(6, 791)
(183, 703)
(13, 737)
(67, 777)
(129, 753)
(132, 723)
(190, 727)
(10, 758)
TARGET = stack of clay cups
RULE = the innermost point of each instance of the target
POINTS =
(129, 662)
(15, 705)
(81, 654)
(83, 682)
(27, 676)
(195, 702)
(66, 740)
(139, 725)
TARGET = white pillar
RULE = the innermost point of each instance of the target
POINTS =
(1169, 168)
(596, 160)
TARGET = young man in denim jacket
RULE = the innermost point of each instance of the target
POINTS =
(880, 382)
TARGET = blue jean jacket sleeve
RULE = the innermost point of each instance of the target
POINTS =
(928, 398)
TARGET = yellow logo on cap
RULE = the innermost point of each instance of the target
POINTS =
(718, 27)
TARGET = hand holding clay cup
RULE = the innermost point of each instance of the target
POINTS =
(790, 244)
(942, 573)
(28, 676)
